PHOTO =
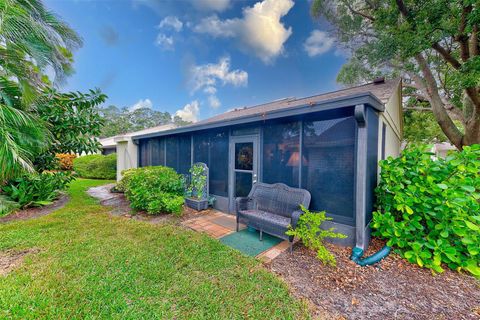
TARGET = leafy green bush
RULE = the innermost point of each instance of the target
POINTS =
(33, 190)
(122, 184)
(7, 205)
(154, 189)
(308, 230)
(429, 209)
(96, 166)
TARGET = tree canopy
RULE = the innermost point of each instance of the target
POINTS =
(123, 120)
(32, 39)
(74, 122)
(432, 44)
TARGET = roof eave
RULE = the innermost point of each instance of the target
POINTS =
(362, 98)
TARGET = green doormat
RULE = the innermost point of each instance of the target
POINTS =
(248, 242)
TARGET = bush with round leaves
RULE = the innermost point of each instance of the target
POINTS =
(154, 189)
(429, 209)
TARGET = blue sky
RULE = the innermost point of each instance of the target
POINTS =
(198, 58)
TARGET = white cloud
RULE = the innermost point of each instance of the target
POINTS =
(318, 43)
(189, 112)
(164, 42)
(142, 103)
(218, 28)
(211, 5)
(259, 30)
(171, 22)
(208, 76)
(214, 102)
(210, 90)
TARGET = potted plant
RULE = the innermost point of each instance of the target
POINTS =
(197, 192)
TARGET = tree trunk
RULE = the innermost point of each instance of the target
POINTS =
(446, 123)
(472, 131)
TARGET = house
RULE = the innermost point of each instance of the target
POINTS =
(329, 144)
(108, 145)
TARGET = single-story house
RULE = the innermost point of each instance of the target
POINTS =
(108, 145)
(329, 144)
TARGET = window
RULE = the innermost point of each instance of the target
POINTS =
(211, 148)
(281, 157)
(328, 170)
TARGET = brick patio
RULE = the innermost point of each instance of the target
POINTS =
(218, 224)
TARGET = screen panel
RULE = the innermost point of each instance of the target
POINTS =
(328, 172)
(281, 157)
(211, 148)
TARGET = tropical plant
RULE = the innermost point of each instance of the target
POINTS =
(433, 44)
(312, 235)
(31, 39)
(96, 166)
(33, 190)
(155, 189)
(429, 209)
(7, 205)
(74, 122)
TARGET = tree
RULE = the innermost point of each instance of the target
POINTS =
(74, 121)
(123, 120)
(31, 39)
(432, 44)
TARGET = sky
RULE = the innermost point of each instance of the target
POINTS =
(199, 58)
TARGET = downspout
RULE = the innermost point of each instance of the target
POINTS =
(361, 185)
(357, 254)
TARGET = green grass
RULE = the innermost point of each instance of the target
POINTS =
(95, 266)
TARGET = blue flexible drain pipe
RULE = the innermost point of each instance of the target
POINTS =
(357, 254)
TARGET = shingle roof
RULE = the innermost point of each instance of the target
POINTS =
(383, 91)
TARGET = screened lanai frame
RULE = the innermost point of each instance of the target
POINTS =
(359, 107)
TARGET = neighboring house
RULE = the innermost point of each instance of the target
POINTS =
(109, 146)
(329, 144)
(442, 149)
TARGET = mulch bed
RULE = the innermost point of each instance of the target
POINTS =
(391, 289)
(36, 212)
(121, 207)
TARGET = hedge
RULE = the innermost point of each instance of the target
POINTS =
(96, 166)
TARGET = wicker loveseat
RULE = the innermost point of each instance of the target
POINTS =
(271, 208)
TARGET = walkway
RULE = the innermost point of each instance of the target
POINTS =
(218, 224)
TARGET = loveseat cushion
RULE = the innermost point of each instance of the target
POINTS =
(263, 217)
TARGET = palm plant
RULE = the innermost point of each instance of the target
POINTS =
(32, 40)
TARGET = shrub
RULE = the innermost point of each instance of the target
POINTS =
(154, 189)
(7, 205)
(122, 184)
(308, 230)
(32, 190)
(429, 209)
(65, 160)
(96, 166)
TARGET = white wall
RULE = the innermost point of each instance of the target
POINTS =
(127, 155)
(393, 118)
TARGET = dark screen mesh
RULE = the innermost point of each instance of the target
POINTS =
(211, 148)
(328, 172)
(158, 152)
(179, 153)
(281, 156)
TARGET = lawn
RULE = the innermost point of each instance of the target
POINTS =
(92, 265)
